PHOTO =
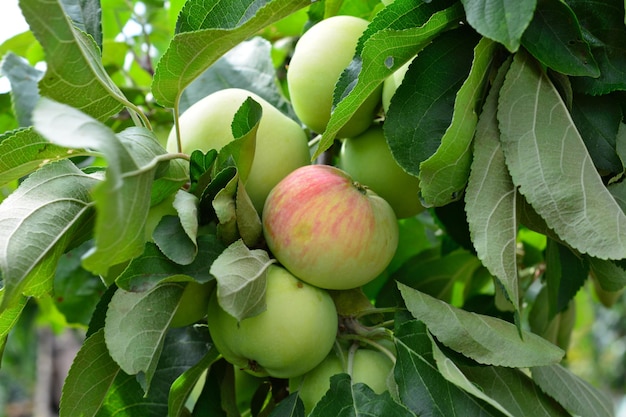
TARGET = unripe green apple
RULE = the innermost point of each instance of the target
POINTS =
(327, 229)
(281, 143)
(292, 336)
(368, 160)
(370, 367)
(193, 304)
(319, 58)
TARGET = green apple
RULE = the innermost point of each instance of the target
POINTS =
(319, 58)
(370, 367)
(281, 143)
(328, 230)
(193, 304)
(292, 336)
(368, 160)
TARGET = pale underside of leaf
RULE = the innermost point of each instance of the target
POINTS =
(550, 164)
(485, 339)
(490, 200)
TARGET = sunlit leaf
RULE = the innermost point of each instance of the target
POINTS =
(550, 164)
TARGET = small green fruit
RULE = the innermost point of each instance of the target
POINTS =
(193, 304)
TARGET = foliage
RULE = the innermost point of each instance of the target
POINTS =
(511, 114)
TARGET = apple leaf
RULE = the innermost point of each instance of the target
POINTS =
(345, 398)
(248, 220)
(23, 151)
(86, 16)
(383, 53)
(443, 176)
(249, 66)
(485, 339)
(135, 327)
(504, 21)
(421, 388)
(74, 74)
(152, 267)
(291, 406)
(493, 231)
(514, 390)
(184, 384)
(9, 316)
(610, 276)
(572, 392)
(603, 25)
(565, 274)
(241, 280)
(451, 372)
(176, 236)
(551, 166)
(24, 90)
(226, 211)
(93, 366)
(31, 240)
(554, 37)
(598, 120)
(422, 107)
(205, 34)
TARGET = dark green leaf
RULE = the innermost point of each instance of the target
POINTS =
(554, 37)
(565, 274)
(200, 44)
(421, 388)
(152, 267)
(550, 164)
(501, 20)
(422, 108)
(86, 16)
(289, 407)
(610, 275)
(604, 29)
(24, 89)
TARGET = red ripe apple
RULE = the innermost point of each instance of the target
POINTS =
(327, 229)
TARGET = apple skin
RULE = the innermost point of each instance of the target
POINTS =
(319, 58)
(368, 160)
(193, 304)
(281, 143)
(328, 230)
(391, 84)
(292, 336)
(370, 367)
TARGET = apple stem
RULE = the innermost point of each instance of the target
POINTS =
(372, 343)
(351, 352)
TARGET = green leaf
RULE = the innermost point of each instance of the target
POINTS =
(74, 74)
(184, 384)
(92, 367)
(603, 27)
(422, 108)
(610, 276)
(598, 120)
(24, 90)
(135, 327)
(504, 21)
(9, 317)
(37, 221)
(565, 274)
(86, 16)
(23, 151)
(514, 390)
(134, 158)
(554, 37)
(152, 266)
(356, 400)
(421, 388)
(176, 236)
(241, 279)
(248, 66)
(226, 211)
(291, 406)
(485, 339)
(550, 165)
(444, 175)
(493, 231)
(20, 42)
(382, 53)
(205, 34)
(573, 393)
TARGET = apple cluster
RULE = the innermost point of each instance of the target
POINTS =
(329, 227)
